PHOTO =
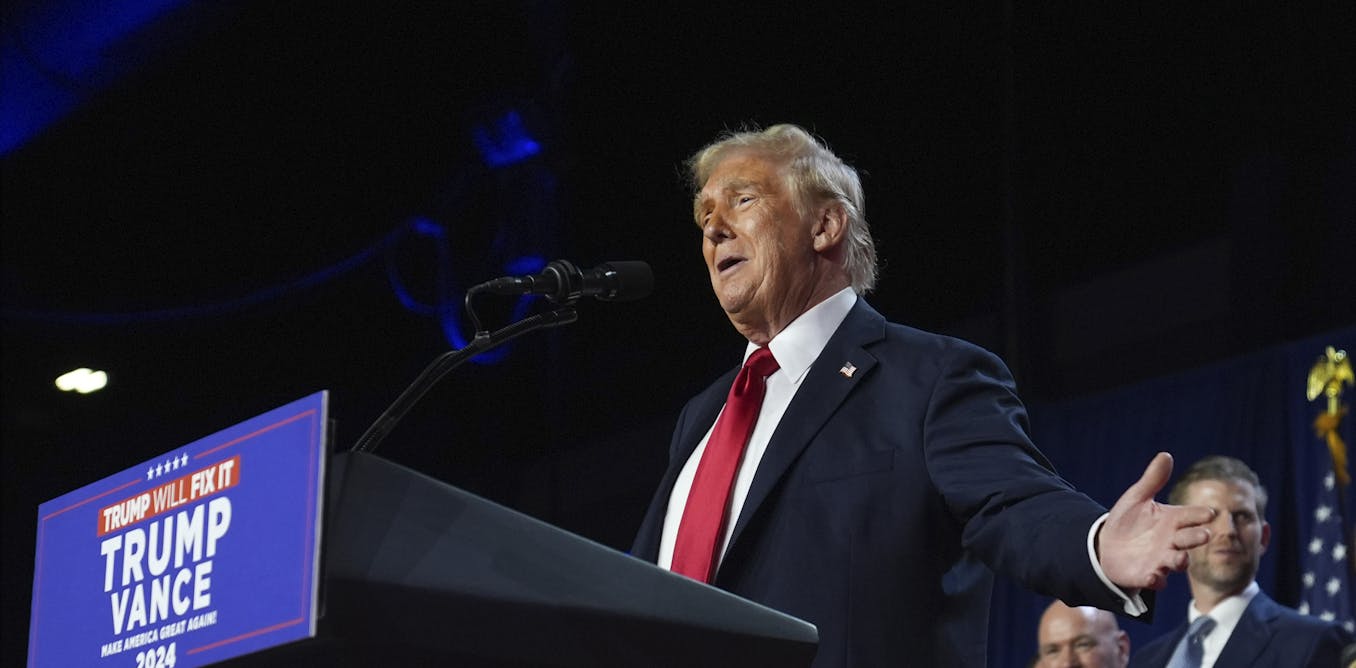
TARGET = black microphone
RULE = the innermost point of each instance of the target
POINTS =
(562, 282)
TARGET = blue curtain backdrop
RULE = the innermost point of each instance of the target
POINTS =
(1253, 408)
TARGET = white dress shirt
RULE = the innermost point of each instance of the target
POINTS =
(1226, 614)
(795, 348)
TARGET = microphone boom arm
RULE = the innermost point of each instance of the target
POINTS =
(446, 362)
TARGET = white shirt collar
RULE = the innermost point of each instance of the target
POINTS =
(798, 345)
(1226, 614)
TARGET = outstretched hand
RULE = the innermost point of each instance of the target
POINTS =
(1143, 540)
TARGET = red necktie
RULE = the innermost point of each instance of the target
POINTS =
(708, 503)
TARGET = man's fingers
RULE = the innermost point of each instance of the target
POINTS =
(1190, 537)
(1155, 477)
(1155, 582)
(1158, 579)
(1191, 516)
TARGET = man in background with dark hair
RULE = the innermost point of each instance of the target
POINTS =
(1230, 622)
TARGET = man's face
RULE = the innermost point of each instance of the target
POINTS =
(1080, 637)
(1238, 537)
(759, 248)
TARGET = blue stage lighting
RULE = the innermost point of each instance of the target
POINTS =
(56, 54)
(505, 141)
(527, 264)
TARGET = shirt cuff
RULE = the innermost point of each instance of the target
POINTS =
(1134, 604)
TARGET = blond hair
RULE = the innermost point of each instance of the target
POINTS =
(815, 175)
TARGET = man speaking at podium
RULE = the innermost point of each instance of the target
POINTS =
(863, 475)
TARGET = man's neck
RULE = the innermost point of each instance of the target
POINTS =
(769, 325)
(1205, 597)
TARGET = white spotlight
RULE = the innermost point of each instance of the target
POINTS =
(82, 380)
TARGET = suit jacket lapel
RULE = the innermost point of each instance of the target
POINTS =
(1165, 650)
(697, 419)
(1252, 634)
(820, 394)
(704, 410)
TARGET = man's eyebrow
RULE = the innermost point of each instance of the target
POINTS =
(723, 188)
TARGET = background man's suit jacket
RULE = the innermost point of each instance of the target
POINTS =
(1268, 634)
(882, 496)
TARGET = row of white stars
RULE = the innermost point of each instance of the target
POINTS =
(1339, 550)
(1328, 616)
(1333, 587)
(171, 464)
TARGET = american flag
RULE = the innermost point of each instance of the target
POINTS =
(1327, 585)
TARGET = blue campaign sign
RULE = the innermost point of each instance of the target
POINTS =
(205, 553)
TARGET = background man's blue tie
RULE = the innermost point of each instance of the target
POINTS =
(1189, 652)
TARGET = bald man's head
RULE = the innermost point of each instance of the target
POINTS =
(1084, 636)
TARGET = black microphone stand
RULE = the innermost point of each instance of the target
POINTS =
(563, 314)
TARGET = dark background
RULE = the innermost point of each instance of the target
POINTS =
(1101, 195)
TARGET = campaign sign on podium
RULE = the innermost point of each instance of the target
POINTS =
(205, 553)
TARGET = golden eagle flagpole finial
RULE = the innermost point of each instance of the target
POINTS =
(1330, 373)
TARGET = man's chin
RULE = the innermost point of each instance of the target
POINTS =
(733, 304)
(1230, 579)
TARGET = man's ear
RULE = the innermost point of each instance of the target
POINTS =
(830, 226)
(1266, 536)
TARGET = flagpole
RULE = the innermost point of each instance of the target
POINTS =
(1327, 379)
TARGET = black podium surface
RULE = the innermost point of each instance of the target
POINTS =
(421, 572)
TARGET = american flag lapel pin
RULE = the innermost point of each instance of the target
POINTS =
(848, 369)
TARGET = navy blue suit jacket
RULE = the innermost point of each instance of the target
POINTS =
(1268, 634)
(883, 495)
